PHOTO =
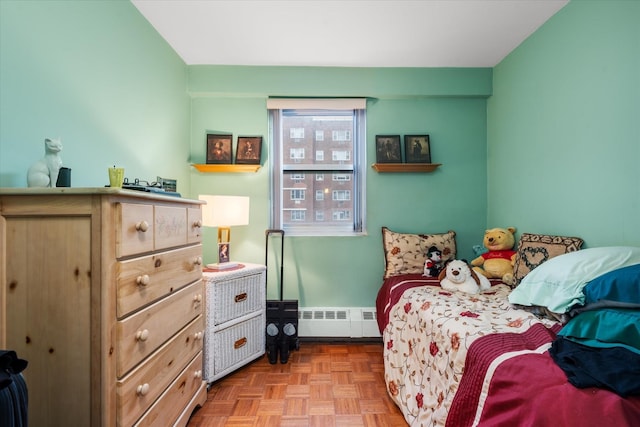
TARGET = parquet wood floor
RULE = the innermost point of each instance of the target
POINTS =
(323, 384)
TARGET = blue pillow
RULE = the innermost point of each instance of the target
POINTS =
(605, 328)
(558, 283)
(621, 285)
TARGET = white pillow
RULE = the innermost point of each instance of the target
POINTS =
(557, 284)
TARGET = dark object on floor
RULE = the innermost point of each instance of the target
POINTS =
(13, 390)
(282, 315)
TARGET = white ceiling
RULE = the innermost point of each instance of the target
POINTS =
(347, 33)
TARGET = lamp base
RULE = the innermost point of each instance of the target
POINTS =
(223, 265)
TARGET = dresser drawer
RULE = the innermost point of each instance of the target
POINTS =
(141, 281)
(235, 296)
(231, 347)
(166, 410)
(138, 390)
(140, 334)
(144, 228)
(194, 220)
(170, 227)
(134, 229)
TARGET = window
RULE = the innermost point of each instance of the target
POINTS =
(341, 155)
(296, 133)
(297, 194)
(341, 195)
(299, 126)
(296, 154)
(341, 135)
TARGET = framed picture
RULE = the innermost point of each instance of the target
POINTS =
(218, 149)
(388, 149)
(416, 148)
(223, 252)
(248, 150)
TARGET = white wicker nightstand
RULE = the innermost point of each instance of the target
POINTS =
(235, 321)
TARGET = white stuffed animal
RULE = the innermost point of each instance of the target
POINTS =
(458, 276)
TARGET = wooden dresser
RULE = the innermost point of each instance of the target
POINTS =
(101, 292)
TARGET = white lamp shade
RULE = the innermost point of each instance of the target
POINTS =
(225, 211)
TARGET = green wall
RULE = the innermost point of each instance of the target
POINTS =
(97, 75)
(449, 105)
(548, 141)
(564, 127)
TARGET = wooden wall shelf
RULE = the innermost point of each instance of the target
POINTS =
(226, 168)
(405, 167)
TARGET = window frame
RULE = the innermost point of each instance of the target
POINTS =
(354, 168)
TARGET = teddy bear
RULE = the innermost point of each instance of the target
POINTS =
(497, 262)
(433, 263)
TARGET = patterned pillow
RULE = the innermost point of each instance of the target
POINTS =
(534, 249)
(406, 253)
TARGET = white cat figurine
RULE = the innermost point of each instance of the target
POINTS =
(44, 172)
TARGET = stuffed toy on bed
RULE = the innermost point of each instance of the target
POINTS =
(497, 262)
(458, 276)
(433, 263)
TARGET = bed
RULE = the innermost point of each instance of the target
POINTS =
(503, 357)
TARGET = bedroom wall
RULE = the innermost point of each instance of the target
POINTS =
(97, 75)
(563, 129)
(450, 105)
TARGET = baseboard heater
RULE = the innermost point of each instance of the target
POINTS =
(347, 322)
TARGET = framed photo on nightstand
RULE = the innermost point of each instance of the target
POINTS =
(223, 252)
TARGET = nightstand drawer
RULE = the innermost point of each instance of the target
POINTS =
(229, 348)
(140, 334)
(141, 281)
(235, 296)
(138, 390)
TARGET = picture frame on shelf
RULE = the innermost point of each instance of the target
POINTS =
(249, 149)
(219, 148)
(388, 149)
(417, 149)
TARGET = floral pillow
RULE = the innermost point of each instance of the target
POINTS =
(406, 253)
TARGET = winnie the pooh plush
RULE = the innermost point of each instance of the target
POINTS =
(497, 262)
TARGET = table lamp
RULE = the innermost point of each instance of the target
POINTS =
(224, 212)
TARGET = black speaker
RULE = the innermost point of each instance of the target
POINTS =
(64, 178)
(282, 329)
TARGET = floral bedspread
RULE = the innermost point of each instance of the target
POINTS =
(427, 340)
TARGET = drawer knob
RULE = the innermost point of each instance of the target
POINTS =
(198, 260)
(197, 298)
(240, 297)
(143, 389)
(240, 343)
(197, 224)
(197, 374)
(142, 335)
(142, 226)
(143, 280)
(197, 335)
